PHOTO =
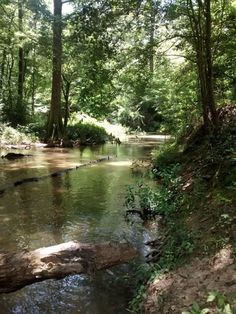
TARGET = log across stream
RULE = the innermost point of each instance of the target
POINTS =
(26, 267)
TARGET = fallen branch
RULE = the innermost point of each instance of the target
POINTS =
(23, 268)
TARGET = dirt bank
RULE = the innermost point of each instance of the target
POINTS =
(178, 290)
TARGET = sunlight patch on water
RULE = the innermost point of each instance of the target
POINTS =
(121, 163)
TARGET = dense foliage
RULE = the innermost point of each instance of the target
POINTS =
(86, 133)
(143, 63)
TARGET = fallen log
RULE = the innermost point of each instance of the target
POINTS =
(24, 268)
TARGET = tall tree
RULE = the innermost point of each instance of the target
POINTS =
(153, 12)
(200, 18)
(20, 117)
(55, 125)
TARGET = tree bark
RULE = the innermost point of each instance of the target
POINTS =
(33, 85)
(2, 77)
(209, 73)
(55, 126)
(24, 268)
(201, 27)
(66, 92)
(10, 67)
(20, 110)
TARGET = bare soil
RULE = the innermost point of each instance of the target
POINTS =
(176, 291)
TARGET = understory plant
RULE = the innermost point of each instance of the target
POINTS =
(87, 133)
(216, 301)
(165, 201)
(11, 136)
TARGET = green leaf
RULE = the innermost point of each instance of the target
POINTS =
(227, 309)
(221, 301)
(211, 297)
(196, 307)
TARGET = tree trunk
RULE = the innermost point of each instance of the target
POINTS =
(201, 27)
(20, 269)
(3, 64)
(55, 126)
(33, 70)
(66, 93)
(209, 74)
(6, 68)
(20, 109)
(33, 85)
(10, 67)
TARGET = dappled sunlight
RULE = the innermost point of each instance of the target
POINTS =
(125, 163)
(35, 188)
(4, 218)
(45, 251)
(59, 190)
(223, 258)
(38, 166)
(193, 282)
(157, 137)
(43, 162)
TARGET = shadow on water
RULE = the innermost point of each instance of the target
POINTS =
(85, 205)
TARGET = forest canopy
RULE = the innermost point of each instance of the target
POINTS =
(160, 66)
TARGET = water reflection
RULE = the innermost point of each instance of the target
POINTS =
(85, 205)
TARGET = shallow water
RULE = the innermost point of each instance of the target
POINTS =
(85, 205)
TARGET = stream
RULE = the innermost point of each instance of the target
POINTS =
(87, 205)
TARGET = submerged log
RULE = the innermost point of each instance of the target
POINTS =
(54, 174)
(23, 268)
(12, 156)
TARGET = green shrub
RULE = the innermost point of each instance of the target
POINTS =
(217, 303)
(87, 133)
(149, 201)
(168, 154)
(166, 201)
(11, 136)
(163, 200)
(35, 128)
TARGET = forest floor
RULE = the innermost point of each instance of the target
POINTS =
(205, 280)
(181, 290)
